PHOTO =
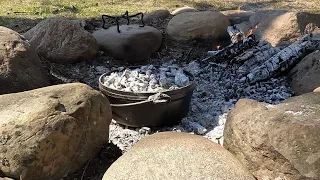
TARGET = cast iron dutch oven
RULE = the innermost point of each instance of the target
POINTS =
(149, 109)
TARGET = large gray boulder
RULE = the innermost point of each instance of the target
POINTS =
(133, 44)
(20, 66)
(305, 76)
(62, 41)
(176, 156)
(49, 132)
(191, 25)
(277, 140)
(276, 26)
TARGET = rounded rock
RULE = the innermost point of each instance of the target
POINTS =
(273, 140)
(176, 156)
(49, 132)
(191, 25)
(20, 66)
(133, 43)
(62, 41)
(277, 26)
(305, 76)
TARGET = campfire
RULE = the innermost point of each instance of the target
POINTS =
(257, 59)
(246, 68)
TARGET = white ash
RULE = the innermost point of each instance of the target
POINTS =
(218, 89)
(126, 137)
(147, 79)
(101, 69)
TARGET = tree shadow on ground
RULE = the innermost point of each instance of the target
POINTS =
(19, 25)
(22, 25)
(65, 9)
(95, 168)
(259, 5)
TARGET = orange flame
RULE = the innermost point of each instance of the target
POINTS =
(218, 47)
(249, 33)
(251, 30)
(238, 9)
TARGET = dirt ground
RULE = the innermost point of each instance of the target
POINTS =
(95, 168)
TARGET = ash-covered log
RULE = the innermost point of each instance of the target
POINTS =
(257, 59)
(261, 46)
(282, 61)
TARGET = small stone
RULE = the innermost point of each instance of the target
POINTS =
(198, 128)
(144, 130)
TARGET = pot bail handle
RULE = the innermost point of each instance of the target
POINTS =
(160, 98)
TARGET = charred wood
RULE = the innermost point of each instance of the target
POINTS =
(235, 33)
(257, 60)
(261, 46)
(229, 52)
(282, 61)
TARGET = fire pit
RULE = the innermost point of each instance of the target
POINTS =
(149, 108)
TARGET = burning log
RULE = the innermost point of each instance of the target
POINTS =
(235, 33)
(260, 60)
(282, 61)
(240, 44)
(233, 50)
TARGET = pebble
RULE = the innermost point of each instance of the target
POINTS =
(197, 128)
(144, 130)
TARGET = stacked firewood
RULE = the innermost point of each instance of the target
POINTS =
(257, 59)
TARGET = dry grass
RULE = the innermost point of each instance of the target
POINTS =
(15, 11)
